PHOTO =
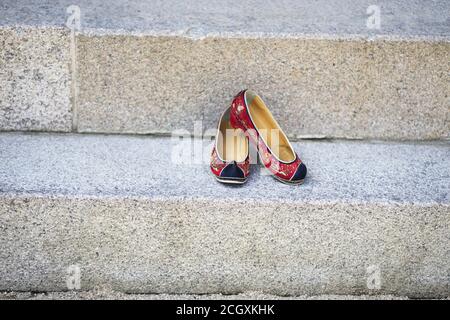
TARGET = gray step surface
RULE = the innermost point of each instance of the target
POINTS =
(114, 295)
(127, 214)
(403, 19)
(157, 66)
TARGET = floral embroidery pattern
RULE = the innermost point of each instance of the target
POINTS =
(217, 164)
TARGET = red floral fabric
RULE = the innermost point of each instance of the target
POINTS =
(217, 165)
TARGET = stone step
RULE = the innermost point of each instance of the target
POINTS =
(156, 66)
(126, 213)
(114, 295)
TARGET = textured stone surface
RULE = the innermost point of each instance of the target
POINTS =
(108, 295)
(315, 88)
(134, 221)
(102, 165)
(34, 79)
(198, 18)
(198, 246)
(156, 66)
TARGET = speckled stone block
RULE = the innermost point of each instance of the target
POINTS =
(35, 79)
(193, 246)
(102, 294)
(387, 89)
(137, 221)
(156, 66)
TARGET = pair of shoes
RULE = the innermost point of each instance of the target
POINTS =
(249, 120)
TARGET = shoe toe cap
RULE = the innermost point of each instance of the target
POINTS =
(232, 170)
(300, 174)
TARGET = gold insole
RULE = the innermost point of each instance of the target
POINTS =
(269, 129)
(233, 145)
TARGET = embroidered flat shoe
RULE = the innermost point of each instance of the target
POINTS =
(250, 113)
(230, 155)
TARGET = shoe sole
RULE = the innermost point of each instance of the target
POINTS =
(238, 182)
(298, 182)
(288, 182)
(230, 181)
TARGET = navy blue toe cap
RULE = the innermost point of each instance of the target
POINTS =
(300, 174)
(232, 171)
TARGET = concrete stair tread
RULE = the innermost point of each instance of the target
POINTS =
(141, 166)
(255, 18)
(108, 294)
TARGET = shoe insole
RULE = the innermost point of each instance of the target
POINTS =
(232, 145)
(269, 129)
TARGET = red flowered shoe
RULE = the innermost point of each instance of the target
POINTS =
(249, 113)
(230, 156)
